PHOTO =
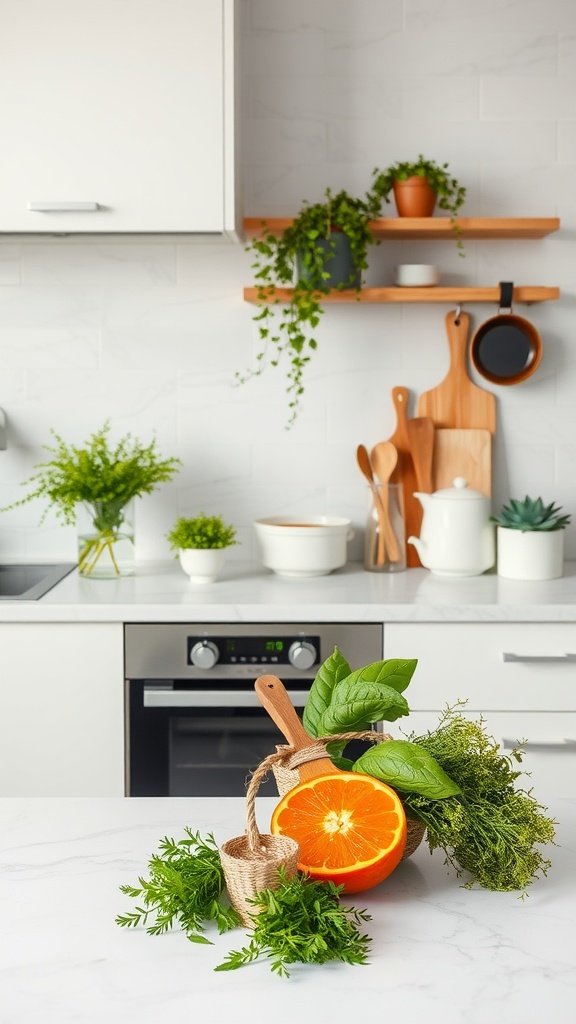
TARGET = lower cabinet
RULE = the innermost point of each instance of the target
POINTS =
(521, 678)
(61, 709)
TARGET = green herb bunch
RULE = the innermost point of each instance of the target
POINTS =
(302, 921)
(202, 532)
(299, 258)
(103, 477)
(492, 827)
(453, 779)
(186, 887)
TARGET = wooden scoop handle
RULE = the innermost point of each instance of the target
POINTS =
(274, 698)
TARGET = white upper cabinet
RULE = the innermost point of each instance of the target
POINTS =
(117, 116)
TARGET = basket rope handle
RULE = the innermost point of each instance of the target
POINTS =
(291, 758)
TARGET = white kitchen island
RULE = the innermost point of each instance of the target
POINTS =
(440, 954)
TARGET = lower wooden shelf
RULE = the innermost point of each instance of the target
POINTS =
(523, 293)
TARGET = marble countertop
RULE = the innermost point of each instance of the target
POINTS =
(160, 592)
(439, 953)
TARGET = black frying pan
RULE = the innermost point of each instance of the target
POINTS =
(506, 349)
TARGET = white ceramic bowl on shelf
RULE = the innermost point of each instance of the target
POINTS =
(416, 275)
(301, 546)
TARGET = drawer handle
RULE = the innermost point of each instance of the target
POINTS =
(567, 745)
(44, 206)
(541, 658)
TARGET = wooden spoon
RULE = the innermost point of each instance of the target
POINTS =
(363, 460)
(383, 459)
(274, 698)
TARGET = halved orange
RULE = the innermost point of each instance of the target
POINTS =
(351, 828)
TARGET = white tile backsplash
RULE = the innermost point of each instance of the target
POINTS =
(150, 331)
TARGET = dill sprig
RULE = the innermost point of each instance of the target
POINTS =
(302, 921)
(492, 828)
(186, 887)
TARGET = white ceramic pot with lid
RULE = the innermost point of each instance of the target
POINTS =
(456, 537)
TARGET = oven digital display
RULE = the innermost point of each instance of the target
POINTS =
(253, 650)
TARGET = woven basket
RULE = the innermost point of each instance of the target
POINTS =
(251, 862)
(287, 777)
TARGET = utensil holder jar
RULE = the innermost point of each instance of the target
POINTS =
(392, 509)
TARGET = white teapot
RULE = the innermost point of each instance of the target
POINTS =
(456, 537)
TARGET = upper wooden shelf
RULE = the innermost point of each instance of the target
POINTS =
(523, 293)
(432, 228)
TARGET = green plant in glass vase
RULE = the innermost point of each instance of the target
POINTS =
(102, 478)
(306, 258)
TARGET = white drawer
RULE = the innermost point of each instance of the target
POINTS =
(499, 666)
(549, 751)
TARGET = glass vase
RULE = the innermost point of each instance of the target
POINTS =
(106, 539)
(385, 534)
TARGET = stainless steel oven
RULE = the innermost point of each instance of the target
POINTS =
(194, 726)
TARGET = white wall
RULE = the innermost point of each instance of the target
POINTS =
(150, 332)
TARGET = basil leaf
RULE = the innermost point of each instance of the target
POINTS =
(407, 767)
(343, 763)
(355, 705)
(394, 672)
(329, 674)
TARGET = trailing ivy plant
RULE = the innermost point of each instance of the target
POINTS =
(299, 259)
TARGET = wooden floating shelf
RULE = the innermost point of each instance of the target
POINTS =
(523, 293)
(432, 228)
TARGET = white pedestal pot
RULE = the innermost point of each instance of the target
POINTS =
(533, 555)
(202, 565)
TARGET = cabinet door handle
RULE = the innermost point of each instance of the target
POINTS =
(46, 206)
(541, 658)
(566, 745)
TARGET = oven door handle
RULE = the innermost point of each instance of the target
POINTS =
(159, 697)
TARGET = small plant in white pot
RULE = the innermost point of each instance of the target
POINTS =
(530, 540)
(201, 543)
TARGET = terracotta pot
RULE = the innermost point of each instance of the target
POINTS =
(414, 197)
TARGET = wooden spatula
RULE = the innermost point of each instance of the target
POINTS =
(421, 437)
(405, 472)
(274, 698)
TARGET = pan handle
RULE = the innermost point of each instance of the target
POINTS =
(506, 293)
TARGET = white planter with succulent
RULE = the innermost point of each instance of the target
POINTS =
(201, 544)
(530, 540)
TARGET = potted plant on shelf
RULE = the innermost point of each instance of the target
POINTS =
(99, 482)
(418, 186)
(530, 540)
(201, 544)
(325, 247)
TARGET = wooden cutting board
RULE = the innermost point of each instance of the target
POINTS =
(405, 472)
(457, 401)
(466, 453)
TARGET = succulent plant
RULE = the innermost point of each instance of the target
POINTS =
(531, 514)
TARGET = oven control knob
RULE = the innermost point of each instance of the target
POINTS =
(302, 654)
(204, 654)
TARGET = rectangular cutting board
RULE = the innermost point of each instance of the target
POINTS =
(466, 453)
